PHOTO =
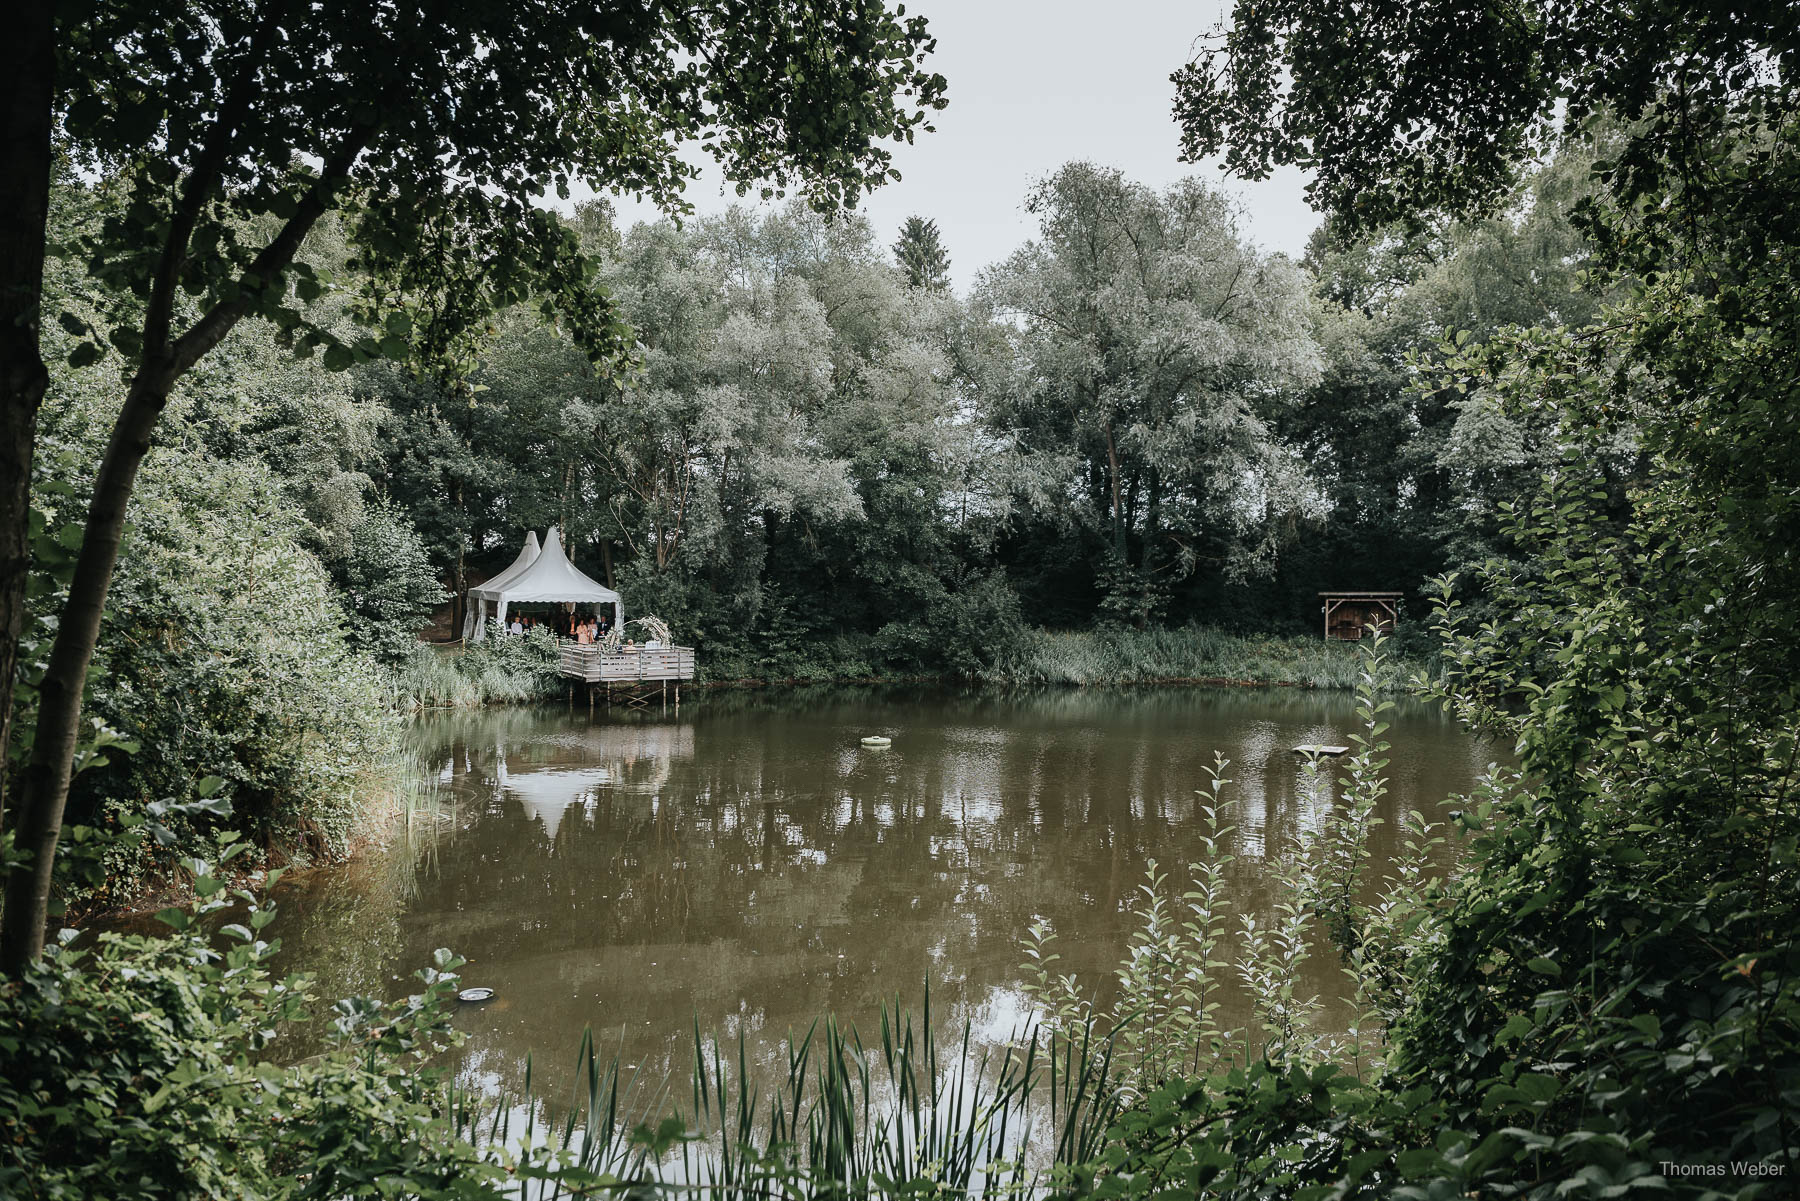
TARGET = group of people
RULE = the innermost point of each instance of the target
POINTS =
(584, 629)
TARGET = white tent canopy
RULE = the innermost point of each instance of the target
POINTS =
(543, 577)
(491, 587)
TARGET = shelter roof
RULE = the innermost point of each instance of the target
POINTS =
(549, 577)
(490, 589)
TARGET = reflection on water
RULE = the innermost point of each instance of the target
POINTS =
(748, 865)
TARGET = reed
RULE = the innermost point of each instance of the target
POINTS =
(1188, 653)
(499, 671)
(897, 1115)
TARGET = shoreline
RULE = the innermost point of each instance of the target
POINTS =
(1188, 656)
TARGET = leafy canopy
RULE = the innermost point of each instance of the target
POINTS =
(439, 127)
(1400, 108)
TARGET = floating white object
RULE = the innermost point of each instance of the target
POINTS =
(475, 994)
(1313, 748)
(877, 740)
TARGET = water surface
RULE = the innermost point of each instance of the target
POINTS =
(745, 864)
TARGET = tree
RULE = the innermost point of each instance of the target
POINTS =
(1155, 351)
(27, 71)
(921, 255)
(1451, 103)
(434, 128)
(1414, 477)
(1643, 655)
(388, 585)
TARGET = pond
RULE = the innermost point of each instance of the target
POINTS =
(745, 865)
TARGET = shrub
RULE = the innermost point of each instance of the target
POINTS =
(964, 629)
(135, 1069)
(223, 654)
(387, 583)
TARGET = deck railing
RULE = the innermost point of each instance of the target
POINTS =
(593, 665)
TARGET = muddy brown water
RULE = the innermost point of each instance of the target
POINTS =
(745, 865)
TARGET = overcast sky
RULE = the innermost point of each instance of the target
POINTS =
(1032, 86)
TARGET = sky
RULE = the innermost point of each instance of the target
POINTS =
(1032, 86)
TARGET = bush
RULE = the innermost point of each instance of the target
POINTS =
(387, 584)
(136, 1069)
(223, 654)
(963, 630)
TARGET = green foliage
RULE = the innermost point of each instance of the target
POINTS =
(498, 670)
(135, 1067)
(223, 655)
(1448, 104)
(1119, 655)
(1604, 1001)
(387, 582)
(1153, 350)
(921, 256)
(965, 628)
(341, 113)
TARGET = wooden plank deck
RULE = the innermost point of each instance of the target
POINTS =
(591, 665)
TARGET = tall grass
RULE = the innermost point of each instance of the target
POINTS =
(844, 1119)
(498, 671)
(1128, 656)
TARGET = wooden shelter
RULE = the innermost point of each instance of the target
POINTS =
(1348, 614)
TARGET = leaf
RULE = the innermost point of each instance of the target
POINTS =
(1516, 1026)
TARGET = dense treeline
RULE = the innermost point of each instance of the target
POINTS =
(1138, 418)
(816, 467)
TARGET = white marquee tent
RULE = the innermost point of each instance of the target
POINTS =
(536, 577)
(493, 584)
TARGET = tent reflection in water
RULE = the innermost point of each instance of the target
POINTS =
(536, 577)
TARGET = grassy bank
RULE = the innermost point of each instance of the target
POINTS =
(1187, 654)
(500, 671)
(512, 670)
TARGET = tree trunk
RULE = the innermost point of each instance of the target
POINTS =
(27, 73)
(459, 601)
(44, 784)
(1152, 523)
(1118, 513)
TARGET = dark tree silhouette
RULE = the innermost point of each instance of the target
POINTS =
(921, 255)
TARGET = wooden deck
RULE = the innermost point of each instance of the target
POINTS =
(590, 665)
